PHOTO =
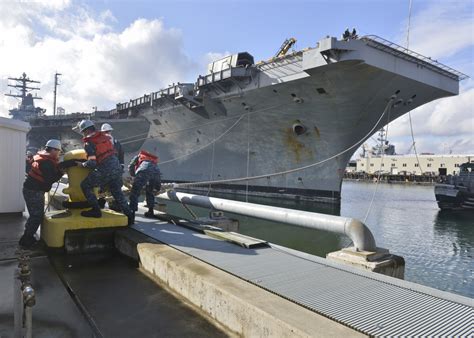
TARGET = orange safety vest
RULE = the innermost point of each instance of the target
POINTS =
(104, 147)
(41, 156)
(145, 156)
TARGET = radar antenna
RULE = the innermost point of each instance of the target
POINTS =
(21, 85)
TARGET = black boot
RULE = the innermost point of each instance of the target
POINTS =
(131, 218)
(94, 212)
(101, 202)
(27, 242)
(149, 213)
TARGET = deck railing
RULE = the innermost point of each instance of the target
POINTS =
(397, 50)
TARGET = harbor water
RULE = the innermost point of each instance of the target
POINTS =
(437, 246)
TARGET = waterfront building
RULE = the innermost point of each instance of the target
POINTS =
(425, 164)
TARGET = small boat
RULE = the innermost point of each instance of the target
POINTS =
(456, 192)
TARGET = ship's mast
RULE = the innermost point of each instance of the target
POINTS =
(21, 85)
(382, 140)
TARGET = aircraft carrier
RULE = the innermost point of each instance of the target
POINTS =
(294, 121)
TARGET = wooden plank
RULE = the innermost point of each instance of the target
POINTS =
(236, 238)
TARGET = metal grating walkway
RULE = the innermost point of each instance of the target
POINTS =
(374, 304)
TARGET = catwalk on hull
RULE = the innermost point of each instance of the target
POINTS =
(244, 119)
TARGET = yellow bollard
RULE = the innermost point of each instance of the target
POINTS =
(57, 223)
(75, 175)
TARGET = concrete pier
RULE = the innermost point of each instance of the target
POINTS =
(241, 307)
(191, 284)
(99, 295)
(233, 285)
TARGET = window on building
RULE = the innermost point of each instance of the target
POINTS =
(428, 165)
(371, 164)
(416, 165)
(383, 165)
(393, 164)
(442, 165)
(362, 164)
(404, 164)
(456, 165)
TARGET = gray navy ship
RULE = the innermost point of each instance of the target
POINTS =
(310, 109)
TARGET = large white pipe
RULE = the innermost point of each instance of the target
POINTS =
(353, 228)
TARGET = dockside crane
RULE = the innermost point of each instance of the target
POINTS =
(285, 47)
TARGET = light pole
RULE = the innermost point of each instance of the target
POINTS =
(55, 91)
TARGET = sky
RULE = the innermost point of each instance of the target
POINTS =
(111, 51)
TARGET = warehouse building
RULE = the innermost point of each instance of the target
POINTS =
(425, 164)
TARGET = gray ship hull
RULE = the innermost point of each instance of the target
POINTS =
(253, 130)
(284, 114)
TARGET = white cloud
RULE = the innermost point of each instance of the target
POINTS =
(52, 4)
(439, 126)
(443, 30)
(100, 66)
(444, 117)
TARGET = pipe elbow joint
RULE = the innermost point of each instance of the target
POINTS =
(360, 235)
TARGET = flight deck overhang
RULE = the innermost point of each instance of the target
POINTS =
(383, 54)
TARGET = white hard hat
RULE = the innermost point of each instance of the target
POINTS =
(84, 124)
(56, 144)
(106, 127)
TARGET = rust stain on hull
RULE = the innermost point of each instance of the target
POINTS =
(298, 148)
